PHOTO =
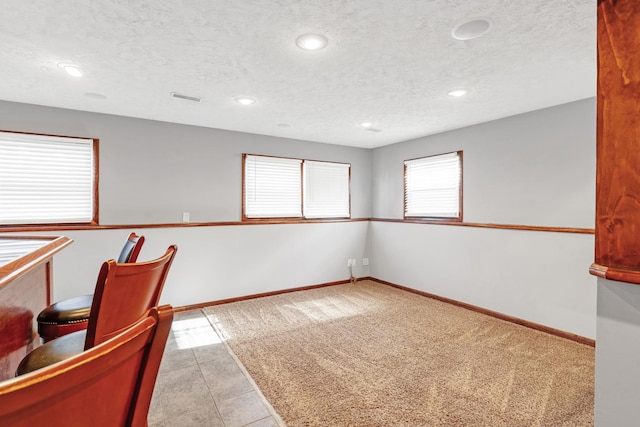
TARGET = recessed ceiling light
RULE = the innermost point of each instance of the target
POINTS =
(458, 92)
(71, 69)
(245, 100)
(471, 29)
(311, 41)
(366, 124)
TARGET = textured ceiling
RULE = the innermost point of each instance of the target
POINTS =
(388, 62)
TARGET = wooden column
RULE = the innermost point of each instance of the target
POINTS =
(617, 246)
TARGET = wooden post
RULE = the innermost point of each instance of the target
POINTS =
(617, 244)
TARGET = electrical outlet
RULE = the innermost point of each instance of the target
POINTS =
(185, 216)
(351, 262)
(365, 261)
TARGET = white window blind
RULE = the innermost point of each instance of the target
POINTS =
(272, 187)
(326, 190)
(432, 186)
(45, 179)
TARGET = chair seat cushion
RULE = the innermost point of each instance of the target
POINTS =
(72, 310)
(52, 352)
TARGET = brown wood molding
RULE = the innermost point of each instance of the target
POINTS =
(618, 137)
(253, 296)
(488, 225)
(70, 227)
(617, 274)
(501, 316)
(598, 270)
(20, 266)
(96, 182)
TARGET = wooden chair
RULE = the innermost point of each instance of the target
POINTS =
(124, 294)
(110, 384)
(72, 314)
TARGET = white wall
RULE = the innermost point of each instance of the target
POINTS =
(219, 262)
(539, 277)
(617, 367)
(533, 169)
(151, 172)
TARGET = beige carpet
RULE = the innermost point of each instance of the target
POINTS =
(367, 354)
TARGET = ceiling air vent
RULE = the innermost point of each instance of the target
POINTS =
(186, 97)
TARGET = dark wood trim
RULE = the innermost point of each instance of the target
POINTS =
(501, 316)
(244, 190)
(295, 158)
(618, 274)
(302, 188)
(49, 280)
(21, 266)
(253, 296)
(96, 182)
(72, 227)
(598, 270)
(489, 225)
(46, 134)
(293, 219)
(79, 227)
(404, 189)
(617, 256)
(349, 190)
(461, 188)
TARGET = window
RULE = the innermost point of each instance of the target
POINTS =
(326, 190)
(433, 187)
(276, 187)
(47, 179)
(272, 187)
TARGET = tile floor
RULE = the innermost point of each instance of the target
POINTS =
(201, 384)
